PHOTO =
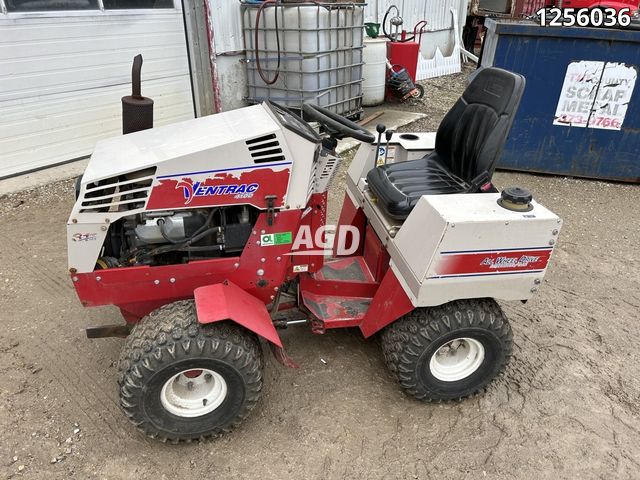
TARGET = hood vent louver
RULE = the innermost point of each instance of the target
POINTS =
(118, 194)
(265, 149)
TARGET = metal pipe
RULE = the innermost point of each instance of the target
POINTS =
(297, 322)
(136, 74)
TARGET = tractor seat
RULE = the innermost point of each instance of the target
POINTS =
(468, 144)
(399, 186)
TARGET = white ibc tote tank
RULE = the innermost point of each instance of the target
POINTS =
(320, 54)
(375, 71)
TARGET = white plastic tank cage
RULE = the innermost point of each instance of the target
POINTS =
(318, 48)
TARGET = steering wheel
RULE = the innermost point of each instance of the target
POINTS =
(337, 123)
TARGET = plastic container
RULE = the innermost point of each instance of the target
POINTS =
(320, 54)
(375, 71)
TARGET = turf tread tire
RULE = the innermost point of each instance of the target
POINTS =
(172, 333)
(408, 338)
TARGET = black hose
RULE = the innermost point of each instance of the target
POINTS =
(384, 22)
(201, 235)
(204, 248)
(264, 78)
(384, 27)
(174, 247)
(164, 234)
(206, 223)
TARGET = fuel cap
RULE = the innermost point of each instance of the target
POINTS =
(516, 198)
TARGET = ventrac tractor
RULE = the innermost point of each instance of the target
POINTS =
(210, 235)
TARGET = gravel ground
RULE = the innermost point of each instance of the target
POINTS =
(567, 407)
(439, 96)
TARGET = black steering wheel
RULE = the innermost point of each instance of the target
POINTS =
(337, 123)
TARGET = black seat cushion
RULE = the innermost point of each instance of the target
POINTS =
(469, 142)
(399, 186)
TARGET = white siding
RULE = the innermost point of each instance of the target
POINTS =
(62, 77)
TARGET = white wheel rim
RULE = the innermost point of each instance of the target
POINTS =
(193, 392)
(457, 359)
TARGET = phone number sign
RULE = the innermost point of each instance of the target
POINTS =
(595, 95)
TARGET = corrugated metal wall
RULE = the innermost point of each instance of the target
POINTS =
(435, 12)
(227, 26)
(227, 20)
(62, 77)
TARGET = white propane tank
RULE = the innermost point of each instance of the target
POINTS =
(375, 71)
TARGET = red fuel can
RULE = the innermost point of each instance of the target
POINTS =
(404, 54)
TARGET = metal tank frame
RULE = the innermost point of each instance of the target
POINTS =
(329, 75)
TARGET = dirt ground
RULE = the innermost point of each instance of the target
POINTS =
(568, 405)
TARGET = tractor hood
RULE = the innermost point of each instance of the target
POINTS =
(240, 157)
(189, 146)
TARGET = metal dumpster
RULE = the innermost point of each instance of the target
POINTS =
(580, 114)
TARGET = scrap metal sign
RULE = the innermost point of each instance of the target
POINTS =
(595, 95)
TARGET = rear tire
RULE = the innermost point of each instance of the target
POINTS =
(448, 352)
(180, 380)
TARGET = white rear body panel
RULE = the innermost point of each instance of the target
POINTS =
(456, 246)
(468, 246)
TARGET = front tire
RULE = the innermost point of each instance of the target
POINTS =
(448, 352)
(180, 380)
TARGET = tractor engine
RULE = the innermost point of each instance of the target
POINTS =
(171, 237)
(193, 190)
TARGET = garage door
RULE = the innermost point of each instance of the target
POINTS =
(65, 64)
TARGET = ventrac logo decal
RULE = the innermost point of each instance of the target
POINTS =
(509, 262)
(192, 190)
(234, 186)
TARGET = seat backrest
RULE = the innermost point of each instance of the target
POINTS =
(472, 134)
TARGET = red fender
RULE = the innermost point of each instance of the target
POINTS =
(227, 301)
(389, 303)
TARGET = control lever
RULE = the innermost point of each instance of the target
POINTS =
(270, 208)
(380, 128)
(387, 135)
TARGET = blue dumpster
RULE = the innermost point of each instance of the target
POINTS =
(580, 114)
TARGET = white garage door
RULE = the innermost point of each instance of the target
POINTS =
(65, 64)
